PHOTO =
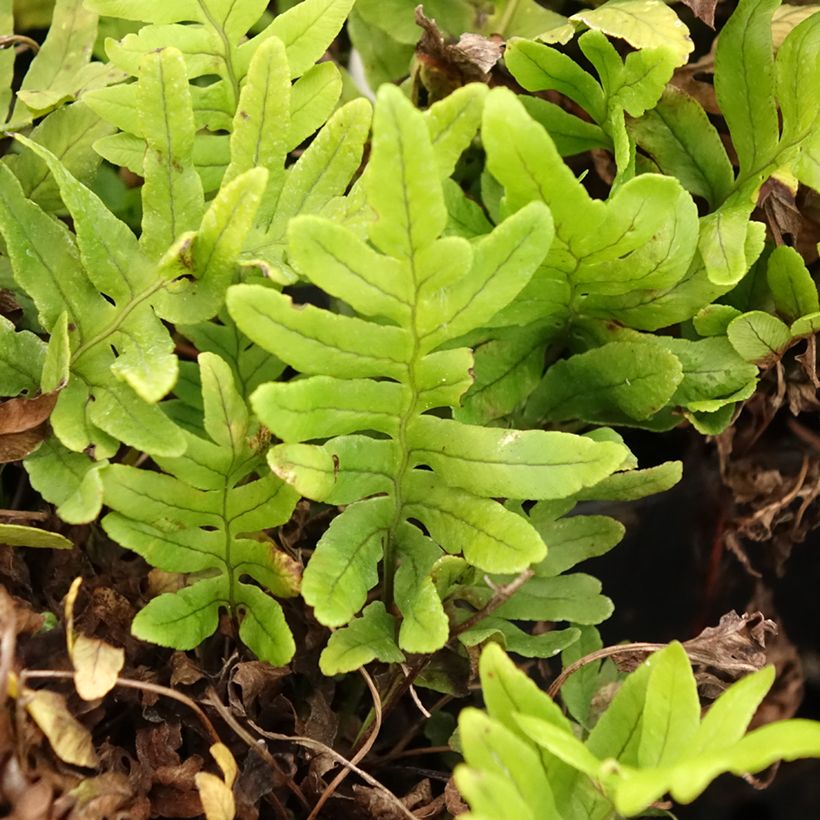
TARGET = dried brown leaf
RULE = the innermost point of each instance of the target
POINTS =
(21, 414)
(735, 647)
(184, 671)
(445, 66)
(704, 10)
(16, 446)
(777, 200)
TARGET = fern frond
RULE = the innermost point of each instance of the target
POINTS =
(418, 485)
(205, 515)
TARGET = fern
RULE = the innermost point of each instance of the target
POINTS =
(100, 293)
(370, 384)
(61, 71)
(523, 758)
(554, 594)
(251, 104)
(205, 516)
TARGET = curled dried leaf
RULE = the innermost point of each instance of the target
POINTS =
(445, 66)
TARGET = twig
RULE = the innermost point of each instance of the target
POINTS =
(411, 733)
(363, 750)
(500, 596)
(397, 755)
(262, 750)
(129, 683)
(24, 515)
(19, 39)
(597, 655)
(318, 746)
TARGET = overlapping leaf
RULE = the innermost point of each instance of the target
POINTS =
(252, 99)
(628, 85)
(205, 515)
(651, 740)
(61, 71)
(101, 293)
(369, 384)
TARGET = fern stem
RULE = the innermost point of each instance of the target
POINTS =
(226, 45)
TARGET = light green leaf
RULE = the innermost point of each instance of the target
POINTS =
(677, 134)
(744, 82)
(714, 319)
(346, 267)
(346, 469)
(72, 481)
(384, 58)
(618, 381)
(263, 628)
(212, 256)
(14, 535)
(44, 258)
(541, 68)
(510, 463)
(197, 517)
(506, 370)
(313, 99)
(642, 23)
(574, 598)
(370, 637)
(172, 198)
(729, 716)
(306, 30)
(573, 540)
(425, 626)
(671, 712)
(53, 74)
(618, 732)
(513, 639)
(580, 688)
(507, 690)
(182, 619)
(504, 262)
(453, 122)
(494, 749)
(344, 564)
(7, 57)
(318, 341)
(22, 354)
(325, 169)
(491, 537)
(495, 794)
(571, 134)
(758, 337)
(713, 372)
(261, 126)
(791, 284)
(783, 740)
(321, 406)
(723, 243)
(68, 133)
(635, 484)
(411, 211)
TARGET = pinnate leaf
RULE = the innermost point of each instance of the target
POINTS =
(206, 525)
(364, 376)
